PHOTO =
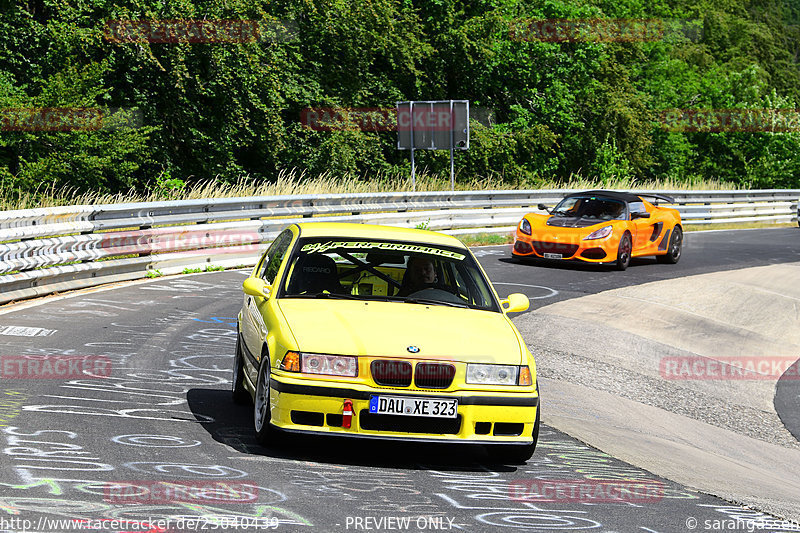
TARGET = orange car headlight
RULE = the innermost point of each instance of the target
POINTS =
(602, 233)
(525, 226)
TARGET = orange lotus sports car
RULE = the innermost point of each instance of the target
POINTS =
(605, 227)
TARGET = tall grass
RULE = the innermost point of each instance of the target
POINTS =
(292, 182)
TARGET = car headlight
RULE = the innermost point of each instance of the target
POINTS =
(603, 232)
(498, 374)
(525, 226)
(316, 363)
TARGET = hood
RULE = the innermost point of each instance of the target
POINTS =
(574, 222)
(387, 329)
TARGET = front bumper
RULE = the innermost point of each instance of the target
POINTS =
(593, 251)
(302, 405)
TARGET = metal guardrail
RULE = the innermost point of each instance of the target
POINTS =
(49, 250)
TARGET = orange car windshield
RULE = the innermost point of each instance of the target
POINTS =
(590, 208)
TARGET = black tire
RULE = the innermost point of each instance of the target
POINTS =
(239, 393)
(262, 417)
(673, 254)
(516, 454)
(624, 252)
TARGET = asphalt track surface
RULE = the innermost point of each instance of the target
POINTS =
(164, 415)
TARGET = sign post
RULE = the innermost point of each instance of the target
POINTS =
(433, 125)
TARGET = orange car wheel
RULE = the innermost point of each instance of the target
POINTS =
(624, 252)
(675, 247)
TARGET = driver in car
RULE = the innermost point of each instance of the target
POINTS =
(420, 274)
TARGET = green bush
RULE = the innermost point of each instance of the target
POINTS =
(231, 111)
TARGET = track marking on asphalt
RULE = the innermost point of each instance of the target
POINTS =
(484, 253)
(552, 294)
(51, 298)
(22, 331)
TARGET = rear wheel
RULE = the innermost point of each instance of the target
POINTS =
(265, 433)
(516, 454)
(624, 252)
(675, 247)
(239, 393)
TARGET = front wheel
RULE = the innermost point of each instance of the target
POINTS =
(262, 415)
(624, 252)
(675, 247)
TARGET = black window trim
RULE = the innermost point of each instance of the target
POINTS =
(265, 262)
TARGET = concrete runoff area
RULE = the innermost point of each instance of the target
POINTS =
(600, 364)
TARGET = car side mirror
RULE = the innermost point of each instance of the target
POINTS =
(515, 303)
(640, 215)
(256, 287)
(543, 207)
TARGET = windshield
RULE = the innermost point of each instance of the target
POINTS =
(386, 270)
(590, 207)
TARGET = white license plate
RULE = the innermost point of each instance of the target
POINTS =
(410, 406)
(553, 256)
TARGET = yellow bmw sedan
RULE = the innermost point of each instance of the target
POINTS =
(370, 331)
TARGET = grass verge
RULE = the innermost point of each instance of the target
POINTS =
(485, 239)
(292, 182)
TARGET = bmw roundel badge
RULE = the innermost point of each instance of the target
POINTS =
(413, 349)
